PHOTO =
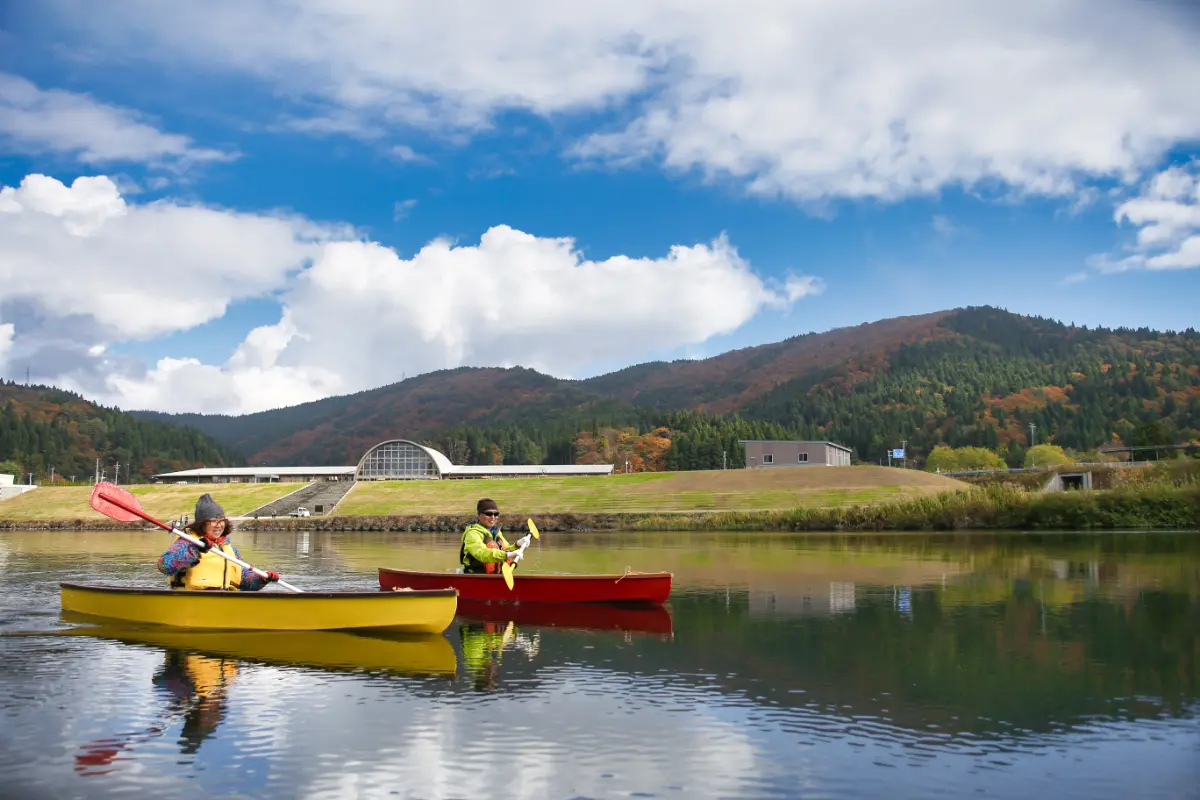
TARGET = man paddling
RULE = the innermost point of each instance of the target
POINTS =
(192, 567)
(484, 548)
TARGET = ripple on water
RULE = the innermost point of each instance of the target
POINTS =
(863, 702)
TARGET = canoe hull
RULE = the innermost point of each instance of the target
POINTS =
(400, 612)
(650, 588)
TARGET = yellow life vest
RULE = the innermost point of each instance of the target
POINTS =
(211, 572)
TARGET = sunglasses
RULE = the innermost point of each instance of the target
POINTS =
(490, 513)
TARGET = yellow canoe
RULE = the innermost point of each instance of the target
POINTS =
(414, 654)
(400, 612)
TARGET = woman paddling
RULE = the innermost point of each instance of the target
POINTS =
(192, 567)
(483, 545)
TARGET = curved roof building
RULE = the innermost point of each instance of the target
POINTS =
(390, 460)
(400, 459)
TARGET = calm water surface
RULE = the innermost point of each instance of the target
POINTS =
(783, 666)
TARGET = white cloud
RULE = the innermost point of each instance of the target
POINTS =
(139, 270)
(943, 227)
(7, 329)
(1167, 216)
(360, 316)
(403, 152)
(401, 208)
(37, 121)
(824, 98)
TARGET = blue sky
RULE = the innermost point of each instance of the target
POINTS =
(283, 200)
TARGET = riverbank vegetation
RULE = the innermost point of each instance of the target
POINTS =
(1146, 506)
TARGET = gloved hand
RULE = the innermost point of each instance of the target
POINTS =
(524, 540)
(272, 576)
(203, 547)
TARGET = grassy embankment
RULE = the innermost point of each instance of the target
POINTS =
(861, 498)
(637, 494)
(163, 501)
(990, 508)
(651, 492)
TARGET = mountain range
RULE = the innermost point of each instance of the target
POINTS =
(970, 376)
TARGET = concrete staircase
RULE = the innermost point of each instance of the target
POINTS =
(318, 497)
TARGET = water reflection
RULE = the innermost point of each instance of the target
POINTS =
(919, 666)
(368, 652)
(633, 619)
(195, 689)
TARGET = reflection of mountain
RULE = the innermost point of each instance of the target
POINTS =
(997, 668)
(1009, 669)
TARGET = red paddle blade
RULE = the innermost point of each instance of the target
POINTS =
(102, 496)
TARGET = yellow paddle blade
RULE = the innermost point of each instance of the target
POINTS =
(533, 529)
(506, 570)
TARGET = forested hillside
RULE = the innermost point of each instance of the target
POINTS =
(44, 429)
(1081, 388)
(974, 376)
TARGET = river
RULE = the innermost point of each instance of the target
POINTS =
(1011, 665)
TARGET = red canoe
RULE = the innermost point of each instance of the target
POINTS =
(631, 587)
(652, 619)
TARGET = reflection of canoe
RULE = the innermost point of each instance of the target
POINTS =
(579, 616)
(407, 612)
(631, 587)
(424, 654)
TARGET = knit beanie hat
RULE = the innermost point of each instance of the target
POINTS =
(207, 508)
(486, 504)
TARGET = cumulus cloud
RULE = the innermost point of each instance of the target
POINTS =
(807, 100)
(1167, 215)
(38, 121)
(6, 341)
(139, 271)
(403, 152)
(355, 314)
(401, 208)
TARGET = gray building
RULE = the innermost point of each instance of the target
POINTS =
(774, 453)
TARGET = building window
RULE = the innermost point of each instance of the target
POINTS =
(396, 461)
(768, 459)
(802, 458)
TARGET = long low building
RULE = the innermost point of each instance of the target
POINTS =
(394, 459)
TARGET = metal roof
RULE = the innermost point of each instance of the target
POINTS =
(254, 472)
(533, 469)
(450, 470)
(793, 441)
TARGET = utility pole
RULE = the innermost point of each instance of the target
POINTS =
(724, 461)
(117, 473)
(904, 450)
(97, 471)
(1032, 443)
(52, 476)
